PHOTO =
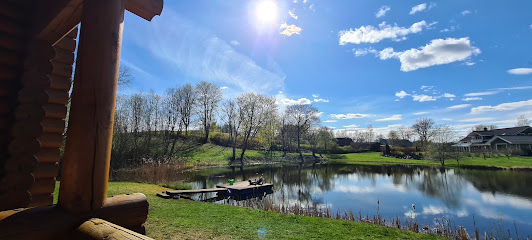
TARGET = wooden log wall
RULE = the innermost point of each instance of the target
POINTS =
(16, 164)
(35, 80)
(56, 87)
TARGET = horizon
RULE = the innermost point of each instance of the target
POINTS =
(359, 62)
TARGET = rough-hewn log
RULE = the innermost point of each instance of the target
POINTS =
(73, 33)
(55, 111)
(88, 146)
(30, 112)
(11, 42)
(60, 83)
(62, 70)
(10, 26)
(67, 44)
(39, 65)
(56, 19)
(42, 186)
(63, 56)
(48, 155)
(51, 140)
(9, 57)
(14, 200)
(12, 11)
(146, 9)
(52, 125)
(41, 200)
(46, 170)
(57, 96)
(55, 221)
(35, 79)
(26, 129)
(14, 182)
(96, 228)
(21, 163)
(24, 146)
(32, 95)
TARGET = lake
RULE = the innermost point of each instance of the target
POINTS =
(494, 198)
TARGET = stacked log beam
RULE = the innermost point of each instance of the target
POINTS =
(56, 91)
(15, 164)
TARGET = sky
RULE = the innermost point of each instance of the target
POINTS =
(379, 63)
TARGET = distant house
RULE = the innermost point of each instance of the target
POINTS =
(496, 140)
(396, 143)
(342, 142)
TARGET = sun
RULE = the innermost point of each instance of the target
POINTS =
(266, 12)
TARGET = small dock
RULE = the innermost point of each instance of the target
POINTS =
(240, 189)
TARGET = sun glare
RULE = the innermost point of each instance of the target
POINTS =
(266, 12)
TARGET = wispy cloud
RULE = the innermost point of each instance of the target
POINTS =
(351, 126)
(449, 95)
(199, 53)
(382, 11)
(364, 51)
(477, 94)
(371, 34)
(520, 71)
(301, 101)
(289, 30)
(401, 94)
(503, 106)
(396, 117)
(292, 14)
(234, 43)
(330, 121)
(437, 52)
(349, 116)
(421, 7)
(423, 98)
(420, 113)
(321, 100)
(471, 99)
(465, 12)
(224, 87)
(459, 106)
(476, 120)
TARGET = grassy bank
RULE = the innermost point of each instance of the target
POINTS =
(182, 219)
(374, 158)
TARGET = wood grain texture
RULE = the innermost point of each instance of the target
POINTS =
(96, 228)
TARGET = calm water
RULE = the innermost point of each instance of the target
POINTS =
(489, 196)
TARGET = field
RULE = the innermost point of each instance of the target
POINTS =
(183, 219)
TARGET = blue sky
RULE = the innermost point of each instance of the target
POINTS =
(384, 63)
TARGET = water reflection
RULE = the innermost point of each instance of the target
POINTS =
(458, 194)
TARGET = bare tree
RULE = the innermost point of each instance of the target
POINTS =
(393, 138)
(231, 118)
(325, 139)
(404, 132)
(482, 127)
(303, 117)
(440, 148)
(125, 77)
(208, 96)
(522, 121)
(254, 111)
(188, 99)
(424, 129)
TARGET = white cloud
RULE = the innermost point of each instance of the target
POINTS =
(311, 7)
(437, 52)
(315, 95)
(459, 106)
(530, 26)
(449, 95)
(364, 51)
(330, 121)
(401, 94)
(471, 99)
(351, 126)
(423, 98)
(291, 13)
(198, 53)
(382, 11)
(371, 34)
(421, 7)
(520, 71)
(301, 101)
(349, 116)
(289, 30)
(420, 113)
(234, 43)
(516, 88)
(224, 87)
(476, 120)
(465, 12)
(395, 117)
(469, 63)
(476, 94)
(502, 107)
(432, 210)
(320, 100)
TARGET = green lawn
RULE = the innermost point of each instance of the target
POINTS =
(374, 158)
(183, 219)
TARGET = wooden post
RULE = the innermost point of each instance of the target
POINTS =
(88, 147)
